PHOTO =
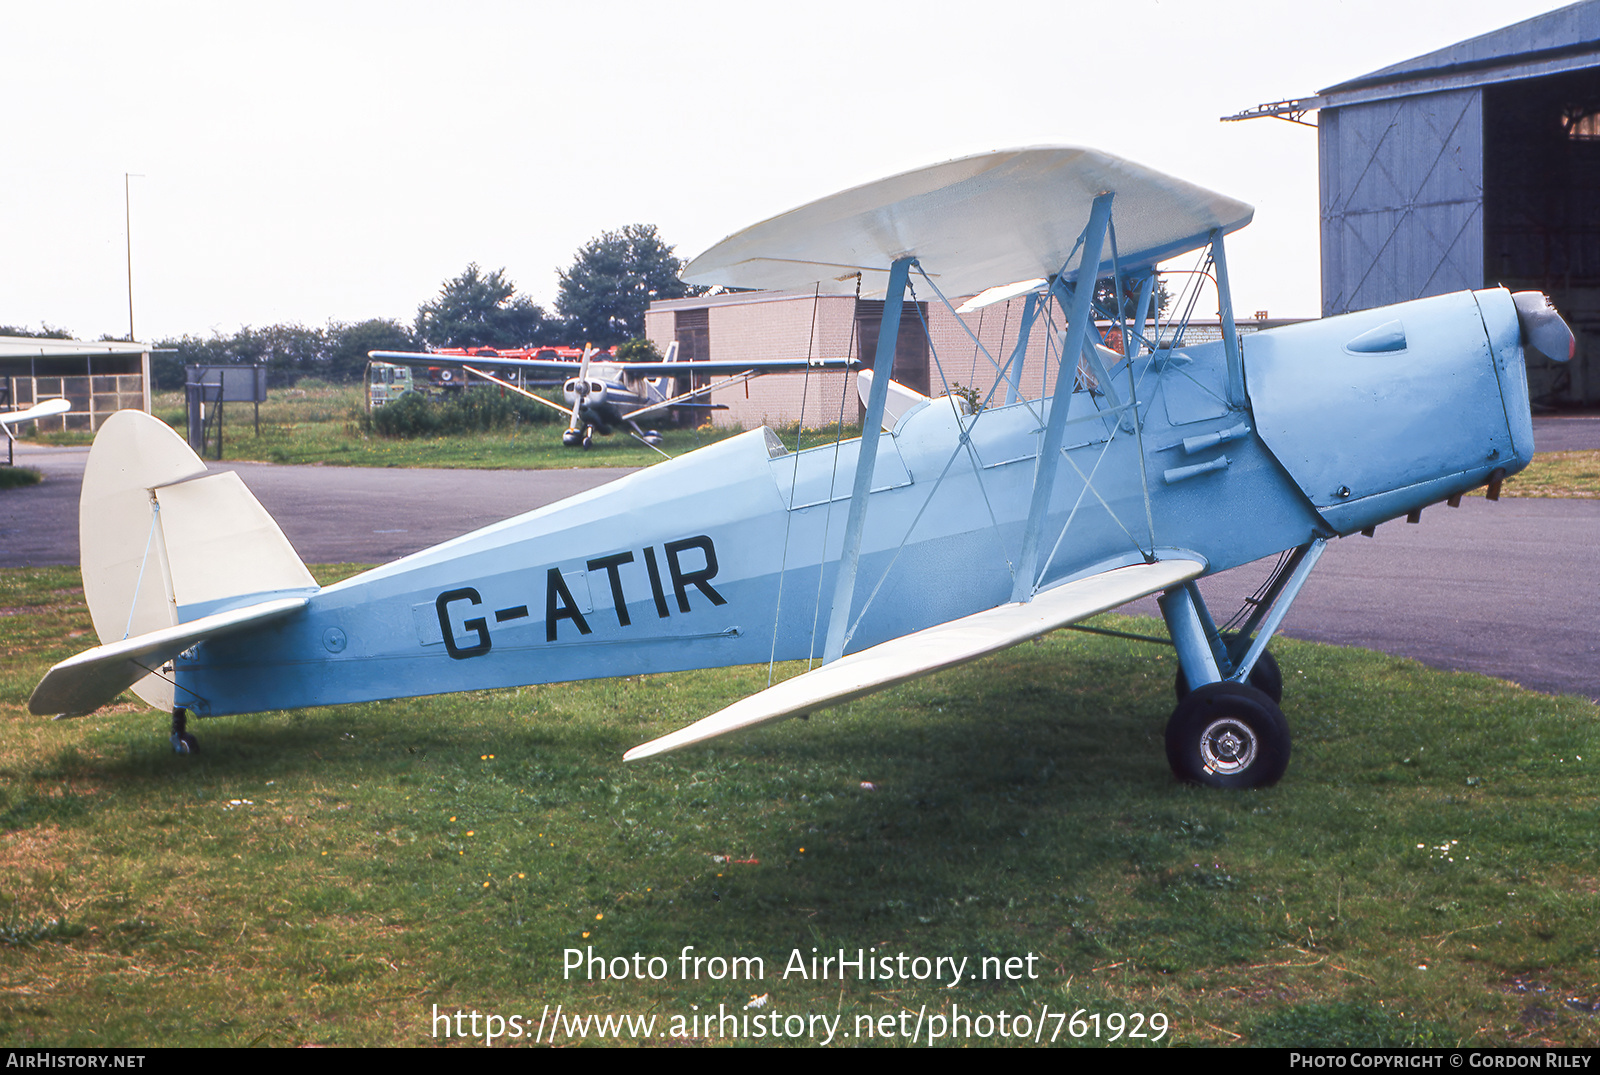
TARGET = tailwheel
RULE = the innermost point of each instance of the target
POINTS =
(1228, 735)
(182, 741)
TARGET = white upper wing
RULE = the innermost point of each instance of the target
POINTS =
(975, 223)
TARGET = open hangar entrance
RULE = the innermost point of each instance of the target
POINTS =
(1541, 213)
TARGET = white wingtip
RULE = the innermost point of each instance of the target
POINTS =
(47, 409)
(1001, 294)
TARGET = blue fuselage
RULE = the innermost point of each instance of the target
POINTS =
(727, 555)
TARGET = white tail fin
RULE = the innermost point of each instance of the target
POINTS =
(162, 542)
(900, 399)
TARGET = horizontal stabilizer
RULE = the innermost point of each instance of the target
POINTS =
(932, 650)
(95, 677)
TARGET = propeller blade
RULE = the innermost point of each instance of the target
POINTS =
(1542, 327)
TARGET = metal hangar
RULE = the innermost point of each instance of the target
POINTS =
(1472, 166)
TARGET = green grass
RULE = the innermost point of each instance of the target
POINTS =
(17, 477)
(321, 423)
(1558, 474)
(1425, 874)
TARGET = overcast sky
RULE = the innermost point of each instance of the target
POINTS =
(301, 162)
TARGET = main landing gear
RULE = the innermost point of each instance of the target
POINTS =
(1229, 731)
(650, 438)
(1228, 735)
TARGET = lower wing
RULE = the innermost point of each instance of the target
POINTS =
(934, 649)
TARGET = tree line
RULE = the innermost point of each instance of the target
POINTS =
(602, 300)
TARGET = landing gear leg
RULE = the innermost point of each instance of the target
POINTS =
(182, 741)
(1264, 677)
(1228, 730)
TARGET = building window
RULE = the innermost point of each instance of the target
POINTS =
(692, 330)
(911, 346)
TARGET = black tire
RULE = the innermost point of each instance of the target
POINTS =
(1228, 735)
(1264, 677)
(184, 743)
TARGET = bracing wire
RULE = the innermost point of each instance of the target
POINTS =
(1000, 370)
(794, 483)
(155, 514)
(972, 374)
(964, 445)
(833, 482)
(1133, 393)
(176, 686)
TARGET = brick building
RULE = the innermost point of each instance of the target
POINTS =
(762, 325)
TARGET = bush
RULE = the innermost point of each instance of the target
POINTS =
(638, 350)
(16, 477)
(476, 410)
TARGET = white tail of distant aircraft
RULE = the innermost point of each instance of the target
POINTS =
(49, 408)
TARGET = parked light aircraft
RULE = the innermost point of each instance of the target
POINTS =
(603, 397)
(945, 538)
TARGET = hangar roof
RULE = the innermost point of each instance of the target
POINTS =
(44, 347)
(1557, 41)
(1567, 39)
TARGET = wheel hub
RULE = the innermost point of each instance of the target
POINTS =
(1227, 746)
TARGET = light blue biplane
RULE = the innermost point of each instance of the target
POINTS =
(947, 536)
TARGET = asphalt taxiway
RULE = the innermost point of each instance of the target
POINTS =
(1507, 588)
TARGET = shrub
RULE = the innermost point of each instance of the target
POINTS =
(15, 477)
(476, 410)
